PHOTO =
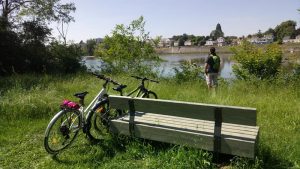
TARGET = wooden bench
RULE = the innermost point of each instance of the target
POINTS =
(217, 128)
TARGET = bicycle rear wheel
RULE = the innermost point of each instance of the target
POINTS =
(97, 123)
(62, 130)
(150, 95)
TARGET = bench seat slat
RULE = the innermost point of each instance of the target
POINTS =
(250, 129)
(229, 145)
(195, 127)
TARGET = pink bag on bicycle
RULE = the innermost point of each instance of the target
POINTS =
(70, 104)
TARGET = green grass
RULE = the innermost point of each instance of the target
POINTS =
(28, 102)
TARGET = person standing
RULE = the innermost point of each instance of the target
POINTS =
(212, 68)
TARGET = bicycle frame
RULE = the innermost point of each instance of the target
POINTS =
(93, 103)
(140, 90)
(84, 112)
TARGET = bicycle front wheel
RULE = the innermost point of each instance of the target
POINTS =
(62, 130)
(97, 123)
(150, 95)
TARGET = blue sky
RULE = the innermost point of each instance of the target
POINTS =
(97, 18)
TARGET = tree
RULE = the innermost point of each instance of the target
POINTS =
(185, 37)
(128, 49)
(90, 46)
(217, 32)
(259, 34)
(35, 32)
(295, 33)
(156, 41)
(181, 41)
(63, 31)
(46, 10)
(286, 28)
(270, 31)
(34, 36)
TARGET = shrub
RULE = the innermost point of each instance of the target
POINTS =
(64, 58)
(256, 62)
(188, 72)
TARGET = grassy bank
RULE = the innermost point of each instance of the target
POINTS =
(28, 102)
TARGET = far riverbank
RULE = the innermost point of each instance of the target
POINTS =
(191, 49)
(287, 48)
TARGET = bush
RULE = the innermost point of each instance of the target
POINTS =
(64, 58)
(188, 72)
(256, 62)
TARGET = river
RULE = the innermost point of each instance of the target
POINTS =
(172, 61)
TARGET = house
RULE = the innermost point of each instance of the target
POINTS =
(266, 39)
(253, 40)
(188, 43)
(269, 38)
(286, 39)
(237, 41)
(211, 42)
(166, 42)
(297, 39)
(176, 43)
(221, 41)
(99, 40)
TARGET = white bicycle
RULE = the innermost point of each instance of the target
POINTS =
(65, 125)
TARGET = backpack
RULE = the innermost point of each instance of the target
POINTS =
(217, 61)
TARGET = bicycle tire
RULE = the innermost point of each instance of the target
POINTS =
(97, 123)
(62, 130)
(150, 95)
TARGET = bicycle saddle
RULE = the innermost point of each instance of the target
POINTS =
(81, 95)
(119, 88)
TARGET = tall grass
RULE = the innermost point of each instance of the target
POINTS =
(28, 102)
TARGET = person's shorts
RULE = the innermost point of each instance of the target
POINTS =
(212, 79)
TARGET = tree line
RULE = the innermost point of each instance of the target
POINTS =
(25, 37)
(286, 28)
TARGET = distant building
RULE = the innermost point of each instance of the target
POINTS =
(269, 38)
(236, 41)
(221, 41)
(211, 42)
(287, 39)
(188, 43)
(166, 42)
(99, 40)
(297, 39)
(266, 39)
(176, 43)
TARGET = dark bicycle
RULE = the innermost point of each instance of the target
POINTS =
(141, 90)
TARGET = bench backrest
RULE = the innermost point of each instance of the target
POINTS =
(228, 114)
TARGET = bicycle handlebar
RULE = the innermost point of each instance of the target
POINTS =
(106, 79)
(144, 79)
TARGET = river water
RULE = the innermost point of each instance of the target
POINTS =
(172, 61)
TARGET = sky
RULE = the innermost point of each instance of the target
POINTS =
(97, 18)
